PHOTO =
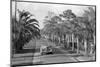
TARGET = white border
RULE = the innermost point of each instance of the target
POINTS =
(5, 33)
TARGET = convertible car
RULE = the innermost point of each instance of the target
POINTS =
(46, 50)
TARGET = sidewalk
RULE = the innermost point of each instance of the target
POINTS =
(26, 55)
(27, 58)
(85, 58)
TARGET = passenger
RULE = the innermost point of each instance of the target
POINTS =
(43, 49)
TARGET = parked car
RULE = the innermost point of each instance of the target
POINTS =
(46, 50)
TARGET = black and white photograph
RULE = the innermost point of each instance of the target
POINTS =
(52, 33)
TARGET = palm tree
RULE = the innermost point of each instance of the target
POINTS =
(68, 15)
(26, 28)
(60, 29)
(85, 27)
(50, 23)
(90, 17)
(69, 23)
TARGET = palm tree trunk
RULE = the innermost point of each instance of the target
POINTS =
(91, 51)
(94, 39)
(52, 37)
(85, 46)
(65, 41)
(68, 42)
(77, 46)
(72, 42)
(94, 44)
(59, 40)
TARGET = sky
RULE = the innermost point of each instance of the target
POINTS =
(40, 10)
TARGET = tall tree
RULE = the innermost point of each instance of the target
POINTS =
(24, 29)
(90, 17)
(69, 23)
(50, 23)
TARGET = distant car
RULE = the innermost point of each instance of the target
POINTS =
(46, 50)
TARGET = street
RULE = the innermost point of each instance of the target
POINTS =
(59, 55)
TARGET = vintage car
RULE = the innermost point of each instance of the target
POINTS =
(46, 50)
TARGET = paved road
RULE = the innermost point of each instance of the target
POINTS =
(59, 55)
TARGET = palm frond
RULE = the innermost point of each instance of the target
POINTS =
(32, 20)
